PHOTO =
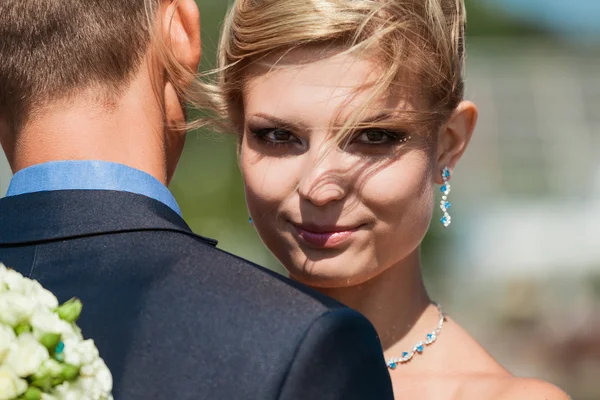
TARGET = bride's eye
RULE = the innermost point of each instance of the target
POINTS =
(277, 136)
(378, 136)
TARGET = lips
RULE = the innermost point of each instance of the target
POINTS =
(324, 236)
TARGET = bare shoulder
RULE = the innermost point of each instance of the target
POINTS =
(531, 389)
(508, 388)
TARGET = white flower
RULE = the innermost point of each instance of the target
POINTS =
(51, 366)
(11, 280)
(44, 297)
(3, 272)
(7, 338)
(99, 372)
(15, 308)
(11, 386)
(80, 352)
(44, 322)
(26, 355)
(94, 383)
(25, 301)
(15, 281)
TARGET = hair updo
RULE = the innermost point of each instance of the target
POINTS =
(419, 43)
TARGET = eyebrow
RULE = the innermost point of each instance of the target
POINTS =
(298, 125)
(376, 118)
(281, 122)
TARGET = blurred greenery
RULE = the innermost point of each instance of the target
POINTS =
(485, 19)
(208, 185)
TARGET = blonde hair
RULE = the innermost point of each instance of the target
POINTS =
(423, 39)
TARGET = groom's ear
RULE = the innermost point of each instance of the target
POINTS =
(180, 23)
(181, 31)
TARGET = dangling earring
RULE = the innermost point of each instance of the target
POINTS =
(250, 221)
(445, 204)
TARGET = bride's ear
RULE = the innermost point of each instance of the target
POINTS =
(455, 136)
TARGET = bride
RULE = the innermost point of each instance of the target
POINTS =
(349, 113)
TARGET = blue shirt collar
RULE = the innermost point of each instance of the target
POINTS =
(89, 175)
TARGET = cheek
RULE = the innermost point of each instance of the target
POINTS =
(401, 198)
(268, 182)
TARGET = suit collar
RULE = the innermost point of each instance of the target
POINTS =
(66, 214)
(89, 175)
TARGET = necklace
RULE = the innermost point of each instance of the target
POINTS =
(419, 346)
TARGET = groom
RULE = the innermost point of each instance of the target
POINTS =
(84, 101)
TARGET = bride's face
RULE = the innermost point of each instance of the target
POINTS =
(334, 215)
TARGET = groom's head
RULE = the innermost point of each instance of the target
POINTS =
(54, 53)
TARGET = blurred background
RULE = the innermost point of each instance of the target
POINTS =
(520, 265)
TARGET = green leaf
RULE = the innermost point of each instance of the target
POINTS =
(32, 393)
(22, 328)
(70, 311)
(43, 378)
(50, 340)
(43, 382)
(69, 372)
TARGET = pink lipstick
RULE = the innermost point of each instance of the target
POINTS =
(323, 237)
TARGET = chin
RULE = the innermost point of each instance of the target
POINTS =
(330, 273)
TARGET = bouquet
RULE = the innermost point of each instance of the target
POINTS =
(42, 352)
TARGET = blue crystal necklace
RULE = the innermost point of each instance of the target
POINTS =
(419, 346)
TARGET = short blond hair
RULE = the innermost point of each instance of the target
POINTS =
(421, 38)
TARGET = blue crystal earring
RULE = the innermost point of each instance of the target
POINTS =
(444, 203)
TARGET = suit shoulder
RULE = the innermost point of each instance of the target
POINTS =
(259, 279)
(200, 269)
(339, 356)
(181, 265)
(342, 318)
(337, 330)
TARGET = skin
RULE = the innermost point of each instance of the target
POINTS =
(132, 130)
(349, 221)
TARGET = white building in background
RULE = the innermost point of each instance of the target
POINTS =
(527, 192)
(534, 239)
(523, 266)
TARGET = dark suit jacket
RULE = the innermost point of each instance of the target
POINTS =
(176, 318)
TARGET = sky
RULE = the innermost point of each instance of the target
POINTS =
(571, 17)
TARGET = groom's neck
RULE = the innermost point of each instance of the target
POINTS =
(128, 132)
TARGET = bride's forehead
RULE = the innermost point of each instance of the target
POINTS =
(300, 67)
(297, 78)
(340, 85)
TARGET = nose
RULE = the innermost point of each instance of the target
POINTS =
(324, 180)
